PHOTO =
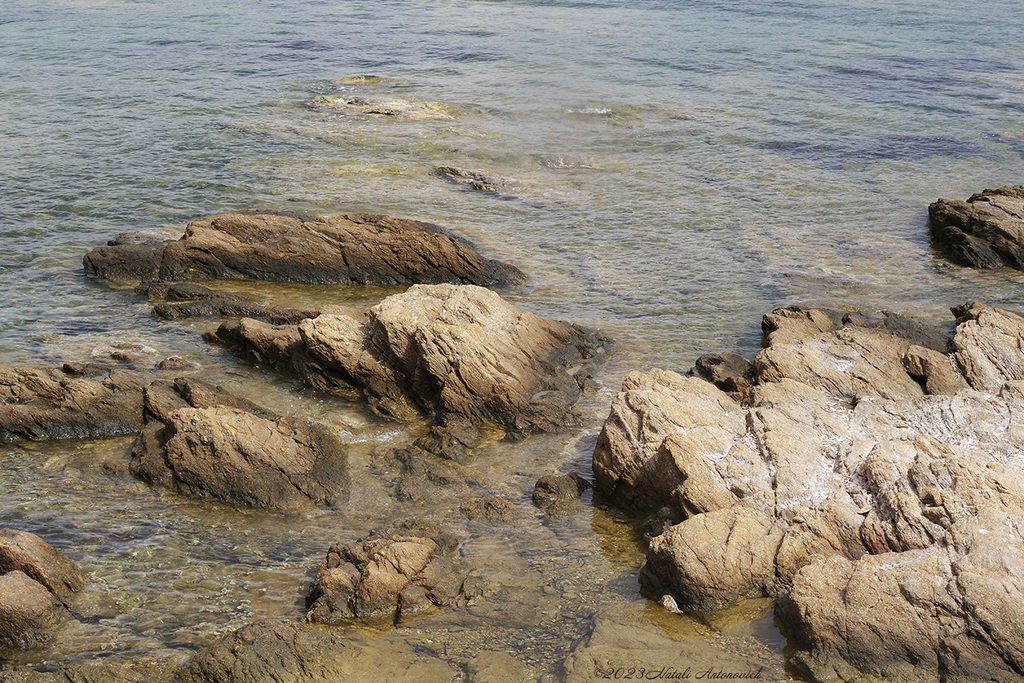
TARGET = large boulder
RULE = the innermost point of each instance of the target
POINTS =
(877, 510)
(37, 585)
(204, 441)
(346, 249)
(447, 351)
(53, 404)
(391, 575)
(986, 231)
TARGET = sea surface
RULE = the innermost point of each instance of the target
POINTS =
(667, 172)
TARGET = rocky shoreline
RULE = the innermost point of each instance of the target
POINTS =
(862, 471)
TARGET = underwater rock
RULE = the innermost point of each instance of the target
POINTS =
(450, 352)
(177, 300)
(472, 179)
(395, 108)
(203, 441)
(54, 404)
(876, 510)
(37, 585)
(986, 231)
(550, 489)
(295, 652)
(393, 574)
(346, 249)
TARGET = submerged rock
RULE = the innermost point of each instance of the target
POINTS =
(54, 404)
(864, 482)
(986, 231)
(37, 584)
(472, 179)
(551, 489)
(346, 249)
(391, 575)
(451, 352)
(204, 441)
(177, 300)
(293, 652)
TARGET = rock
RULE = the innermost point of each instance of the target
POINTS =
(877, 511)
(486, 667)
(418, 474)
(308, 653)
(345, 249)
(451, 352)
(787, 325)
(51, 404)
(491, 509)
(37, 585)
(986, 231)
(203, 441)
(630, 466)
(550, 489)
(27, 553)
(727, 371)
(852, 363)
(391, 108)
(987, 346)
(393, 574)
(472, 179)
(28, 612)
(179, 300)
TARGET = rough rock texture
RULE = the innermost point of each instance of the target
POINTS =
(345, 249)
(727, 371)
(453, 352)
(53, 404)
(205, 442)
(865, 482)
(178, 300)
(391, 575)
(986, 231)
(37, 584)
(308, 653)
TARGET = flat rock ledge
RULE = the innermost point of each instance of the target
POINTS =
(868, 481)
(52, 403)
(205, 442)
(390, 576)
(986, 231)
(37, 585)
(451, 352)
(346, 249)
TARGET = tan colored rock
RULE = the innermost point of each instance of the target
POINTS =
(987, 345)
(28, 611)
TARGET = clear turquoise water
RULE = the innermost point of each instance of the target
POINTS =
(677, 169)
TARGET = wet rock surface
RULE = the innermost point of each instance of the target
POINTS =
(986, 231)
(472, 179)
(37, 585)
(293, 652)
(204, 441)
(391, 575)
(61, 404)
(178, 300)
(551, 489)
(450, 352)
(346, 249)
(866, 481)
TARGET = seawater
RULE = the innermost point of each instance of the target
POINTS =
(671, 171)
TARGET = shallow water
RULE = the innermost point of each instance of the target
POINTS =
(670, 172)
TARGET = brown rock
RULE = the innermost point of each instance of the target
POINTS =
(551, 488)
(346, 249)
(204, 441)
(28, 611)
(986, 231)
(987, 345)
(49, 404)
(27, 553)
(452, 352)
(392, 574)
